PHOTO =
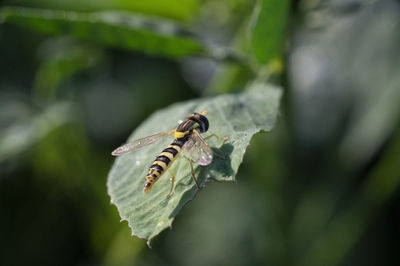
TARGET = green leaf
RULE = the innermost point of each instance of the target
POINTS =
(267, 29)
(61, 59)
(125, 30)
(177, 9)
(236, 116)
(28, 131)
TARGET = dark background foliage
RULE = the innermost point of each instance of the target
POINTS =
(321, 189)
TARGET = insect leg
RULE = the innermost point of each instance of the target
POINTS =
(203, 112)
(193, 176)
(220, 139)
(172, 183)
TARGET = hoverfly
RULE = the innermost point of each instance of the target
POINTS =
(187, 138)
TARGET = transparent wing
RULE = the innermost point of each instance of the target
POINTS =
(140, 143)
(198, 150)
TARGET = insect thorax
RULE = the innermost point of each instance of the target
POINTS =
(194, 121)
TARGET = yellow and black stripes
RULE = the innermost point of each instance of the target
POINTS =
(163, 162)
(195, 121)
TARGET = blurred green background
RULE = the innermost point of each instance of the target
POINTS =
(321, 189)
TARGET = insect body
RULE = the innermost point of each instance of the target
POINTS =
(163, 162)
(186, 138)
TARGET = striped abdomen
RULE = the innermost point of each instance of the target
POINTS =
(163, 162)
